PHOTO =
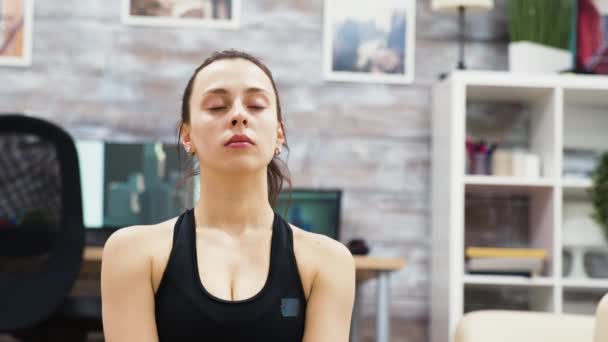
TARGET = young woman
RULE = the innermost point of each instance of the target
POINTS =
(229, 269)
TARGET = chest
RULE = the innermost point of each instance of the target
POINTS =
(235, 268)
(230, 268)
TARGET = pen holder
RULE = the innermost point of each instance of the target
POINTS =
(480, 164)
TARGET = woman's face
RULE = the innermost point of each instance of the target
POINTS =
(233, 96)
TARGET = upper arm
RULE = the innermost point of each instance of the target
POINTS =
(126, 289)
(330, 304)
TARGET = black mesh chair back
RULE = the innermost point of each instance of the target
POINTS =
(41, 224)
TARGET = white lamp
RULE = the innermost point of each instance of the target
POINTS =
(461, 6)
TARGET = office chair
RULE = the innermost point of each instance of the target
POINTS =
(41, 233)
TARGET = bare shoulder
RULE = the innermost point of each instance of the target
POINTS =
(127, 288)
(138, 246)
(321, 250)
(142, 250)
(138, 239)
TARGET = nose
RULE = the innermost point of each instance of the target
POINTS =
(238, 115)
(235, 122)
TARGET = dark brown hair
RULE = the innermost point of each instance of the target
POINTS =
(277, 169)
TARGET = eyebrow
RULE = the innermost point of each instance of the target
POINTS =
(223, 91)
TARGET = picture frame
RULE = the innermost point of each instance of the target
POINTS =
(590, 37)
(221, 14)
(369, 40)
(16, 27)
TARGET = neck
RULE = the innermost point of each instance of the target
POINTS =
(233, 202)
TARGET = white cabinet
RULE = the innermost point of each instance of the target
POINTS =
(545, 114)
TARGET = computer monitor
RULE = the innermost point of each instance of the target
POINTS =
(127, 184)
(314, 210)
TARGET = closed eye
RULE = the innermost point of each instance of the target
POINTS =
(257, 107)
(217, 108)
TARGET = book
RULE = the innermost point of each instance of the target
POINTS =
(502, 163)
(515, 162)
(505, 265)
(498, 252)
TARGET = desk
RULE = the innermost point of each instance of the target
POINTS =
(367, 267)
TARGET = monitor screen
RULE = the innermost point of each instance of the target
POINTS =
(314, 210)
(126, 184)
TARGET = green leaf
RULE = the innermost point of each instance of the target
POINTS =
(547, 22)
(598, 193)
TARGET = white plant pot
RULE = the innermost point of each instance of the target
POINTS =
(527, 56)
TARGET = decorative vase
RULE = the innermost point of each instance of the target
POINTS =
(526, 56)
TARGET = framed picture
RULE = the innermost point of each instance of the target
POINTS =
(591, 48)
(369, 40)
(16, 32)
(205, 13)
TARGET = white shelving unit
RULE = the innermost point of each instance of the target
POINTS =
(565, 111)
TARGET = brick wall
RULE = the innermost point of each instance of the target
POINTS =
(100, 78)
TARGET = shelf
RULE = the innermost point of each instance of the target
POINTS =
(585, 120)
(473, 279)
(576, 188)
(502, 93)
(576, 183)
(599, 284)
(523, 80)
(507, 181)
(501, 86)
(582, 300)
(506, 184)
(585, 96)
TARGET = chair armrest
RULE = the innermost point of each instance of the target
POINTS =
(601, 320)
(524, 326)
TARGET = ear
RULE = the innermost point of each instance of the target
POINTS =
(186, 139)
(280, 134)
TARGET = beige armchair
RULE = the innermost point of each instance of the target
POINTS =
(524, 326)
(601, 321)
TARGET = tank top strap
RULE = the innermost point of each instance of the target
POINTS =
(286, 258)
(176, 229)
(178, 255)
(180, 229)
(180, 261)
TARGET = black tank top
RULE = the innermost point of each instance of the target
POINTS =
(185, 311)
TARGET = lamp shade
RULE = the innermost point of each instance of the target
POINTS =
(451, 5)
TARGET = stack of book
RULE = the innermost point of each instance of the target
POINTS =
(518, 163)
(579, 163)
(505, 261)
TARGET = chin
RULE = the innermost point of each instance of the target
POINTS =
(241, 165)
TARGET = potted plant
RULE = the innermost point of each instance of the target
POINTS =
(540, 34)
(599, 194)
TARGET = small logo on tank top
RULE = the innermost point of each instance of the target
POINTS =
(290, 307)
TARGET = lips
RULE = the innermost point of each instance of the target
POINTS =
(239, 138)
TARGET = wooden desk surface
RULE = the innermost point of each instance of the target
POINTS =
(366, 266)
(368, 263)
